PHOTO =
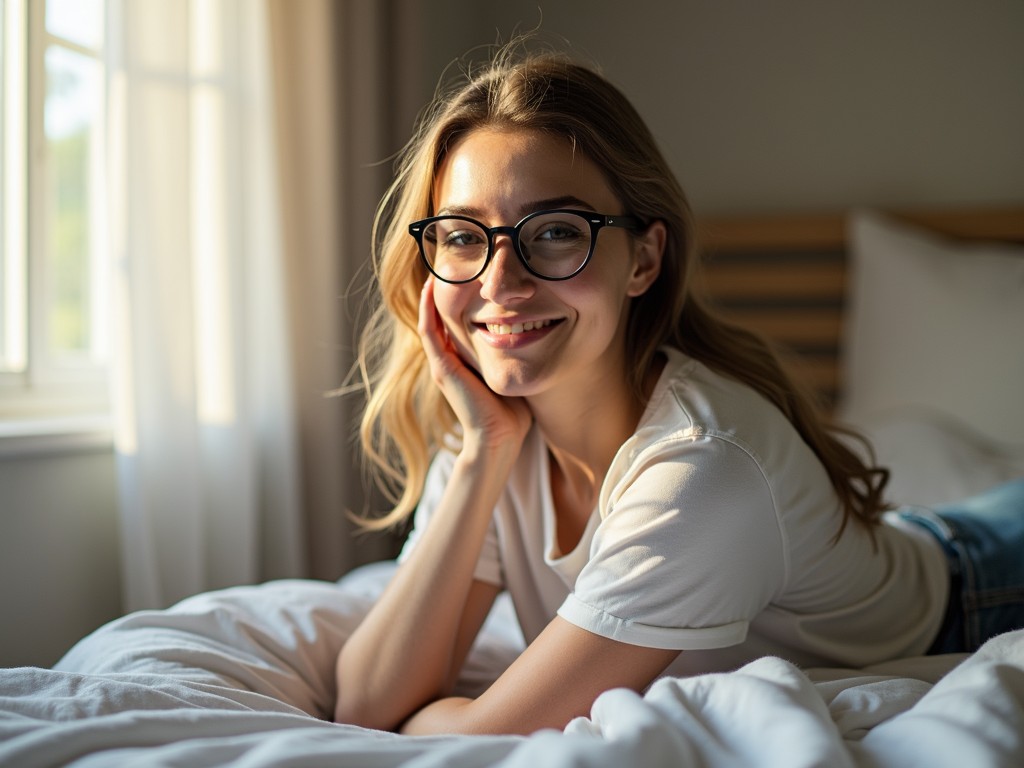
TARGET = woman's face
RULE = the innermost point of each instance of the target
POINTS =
(523, 334)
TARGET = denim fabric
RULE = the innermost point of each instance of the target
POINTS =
(983, 538)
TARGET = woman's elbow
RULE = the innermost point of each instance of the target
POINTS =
(361, 700)
(364, 711)
(371, 694)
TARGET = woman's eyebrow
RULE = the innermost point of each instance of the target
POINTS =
(459, 210)
(551, 203)
(565, 201)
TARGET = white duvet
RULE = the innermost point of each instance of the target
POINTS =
(244, 677)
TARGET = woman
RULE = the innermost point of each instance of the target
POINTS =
(570, 422)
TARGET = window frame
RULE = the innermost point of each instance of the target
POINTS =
(43, 398)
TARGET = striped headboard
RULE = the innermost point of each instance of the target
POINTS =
(785, 276)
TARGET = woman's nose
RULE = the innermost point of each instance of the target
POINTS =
(505, 276)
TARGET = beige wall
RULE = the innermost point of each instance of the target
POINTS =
(59, 561)
(798, 104)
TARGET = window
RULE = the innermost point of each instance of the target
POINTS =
(53, 270)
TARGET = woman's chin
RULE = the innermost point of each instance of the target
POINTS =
(506, 385)
(512, 376)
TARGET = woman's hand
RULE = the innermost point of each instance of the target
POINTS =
(488, 420)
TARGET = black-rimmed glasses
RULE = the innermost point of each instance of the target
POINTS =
(553, 245)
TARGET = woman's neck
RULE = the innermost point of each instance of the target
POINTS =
(583, 438)
(584, 430)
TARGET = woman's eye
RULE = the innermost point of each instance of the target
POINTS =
(558, 232)
(462, 238)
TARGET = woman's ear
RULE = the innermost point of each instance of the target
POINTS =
(649, 248)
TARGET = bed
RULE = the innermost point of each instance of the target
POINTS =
(908, 325)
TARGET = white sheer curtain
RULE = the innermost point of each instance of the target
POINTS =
(204, 408)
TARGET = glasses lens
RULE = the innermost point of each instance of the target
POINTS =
(455, 248)
(555, 244)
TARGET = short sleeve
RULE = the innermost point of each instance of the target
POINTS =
(689, 550)
(488, 568)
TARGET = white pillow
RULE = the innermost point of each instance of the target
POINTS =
(936, 324)
(935, 460)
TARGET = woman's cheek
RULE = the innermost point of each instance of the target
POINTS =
(451, 311)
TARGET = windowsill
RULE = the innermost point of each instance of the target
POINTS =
(63, 434)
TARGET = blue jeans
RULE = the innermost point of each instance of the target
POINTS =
(983, 538)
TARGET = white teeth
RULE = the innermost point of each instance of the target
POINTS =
(501, 329)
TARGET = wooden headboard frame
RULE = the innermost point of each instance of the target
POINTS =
(785, 275)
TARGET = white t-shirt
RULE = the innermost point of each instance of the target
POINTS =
(714, 534)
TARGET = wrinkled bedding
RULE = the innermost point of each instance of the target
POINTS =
(244, 677)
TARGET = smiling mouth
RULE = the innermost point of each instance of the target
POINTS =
(501, 329)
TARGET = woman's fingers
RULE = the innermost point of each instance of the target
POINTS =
(441, 353)
(476, 406)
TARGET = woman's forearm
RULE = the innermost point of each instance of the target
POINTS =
(402, 655)
(441, 716)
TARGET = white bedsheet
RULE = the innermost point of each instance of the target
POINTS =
(243, 677)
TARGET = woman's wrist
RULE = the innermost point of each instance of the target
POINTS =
(488, 454)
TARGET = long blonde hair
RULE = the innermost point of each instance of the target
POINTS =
(407, 419)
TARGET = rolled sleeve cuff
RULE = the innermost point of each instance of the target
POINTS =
(592, 619)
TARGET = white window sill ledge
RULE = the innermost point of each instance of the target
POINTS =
(33, 437)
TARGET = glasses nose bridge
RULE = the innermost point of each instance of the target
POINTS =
(512, 232)
(513, 236)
